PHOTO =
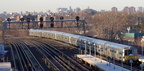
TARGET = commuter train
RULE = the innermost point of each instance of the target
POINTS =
(109, 49)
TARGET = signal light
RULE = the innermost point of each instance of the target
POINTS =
(28, 20)
(8, 19)
(52, 18)
(61, 18)
(77, 19)
(41, 24)
(21, 19)
(41, 19)
(52, 23)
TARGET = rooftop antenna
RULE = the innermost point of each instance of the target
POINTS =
(88, 7)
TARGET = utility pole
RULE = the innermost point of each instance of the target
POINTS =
(84, 28)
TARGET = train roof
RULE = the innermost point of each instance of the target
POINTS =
(98, 41)
(71, 35)
(85, 38)
(60, 33)
(37, 30)
(47, 31)
(76, 36)
(56, 32)
(119, 46)
(111, 44)
(67, 34)
(108, 43)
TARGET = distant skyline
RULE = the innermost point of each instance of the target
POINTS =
(45, 5)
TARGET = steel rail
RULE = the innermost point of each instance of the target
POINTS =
(66, 57)
(45, 52)
(22, 54)
(35, 64)
(21, 64)
(51, 64)
(67, 60)
(56, 56)
(15, 66)
(27, 60)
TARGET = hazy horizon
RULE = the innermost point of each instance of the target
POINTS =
(45, 5)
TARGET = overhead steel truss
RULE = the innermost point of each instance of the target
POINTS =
(69, 23)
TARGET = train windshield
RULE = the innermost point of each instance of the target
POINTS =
(127, 52)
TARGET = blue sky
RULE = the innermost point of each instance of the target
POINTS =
(44, 5)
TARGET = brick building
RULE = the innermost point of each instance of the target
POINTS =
(133, 38)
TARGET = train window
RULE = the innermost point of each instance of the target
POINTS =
(83, 42)
(106, 48)
(127, 52)
(112, 50)
(120, 53)
(97, 46)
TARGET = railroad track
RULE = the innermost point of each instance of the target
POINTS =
(13, 57)
(17, 57)
(71, 58)
(63, 66)
(43, 53)
(26, 60)
(65, 61)
(33, 60)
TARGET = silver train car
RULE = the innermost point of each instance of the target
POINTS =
(109, 49)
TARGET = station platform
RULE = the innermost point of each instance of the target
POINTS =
(102, 64)
(141, 59)
(5, 66)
